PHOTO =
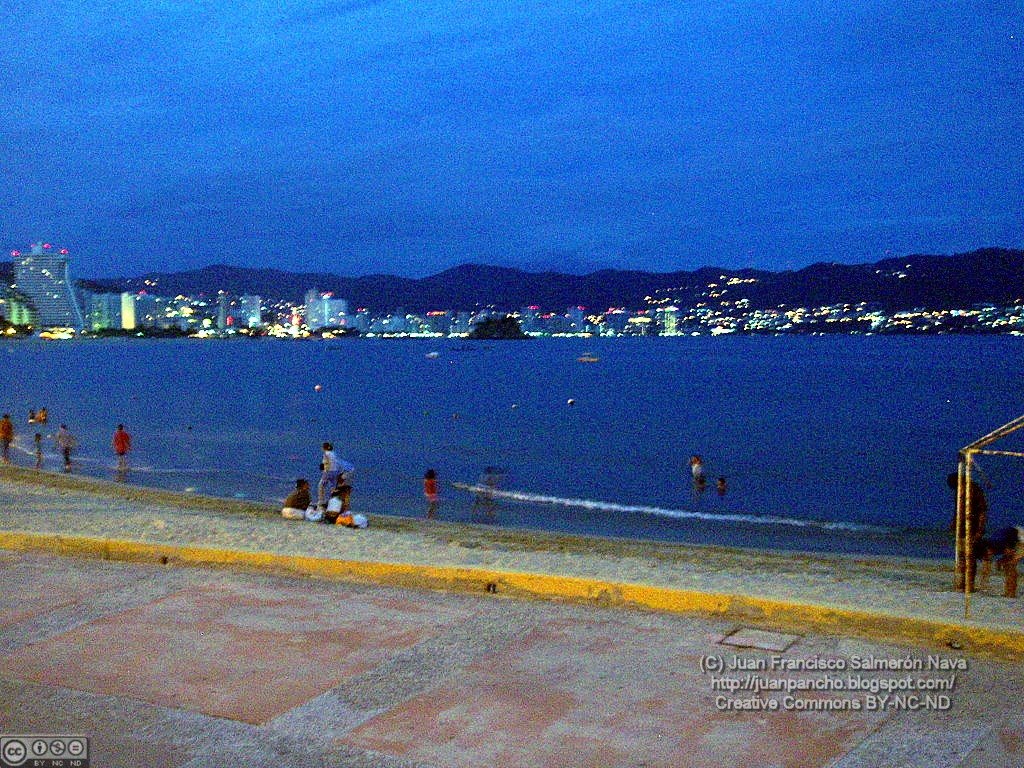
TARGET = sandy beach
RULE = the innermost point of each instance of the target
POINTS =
(890, 593)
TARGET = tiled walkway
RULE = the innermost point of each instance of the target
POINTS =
(166, 666)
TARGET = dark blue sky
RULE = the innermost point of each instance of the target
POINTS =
(406, 137)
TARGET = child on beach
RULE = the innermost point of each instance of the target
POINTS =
(430, 491)
(339, 507)
(122, 443)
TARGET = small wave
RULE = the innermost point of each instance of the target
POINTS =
(108, 463)
(209, 472)
(677, 514)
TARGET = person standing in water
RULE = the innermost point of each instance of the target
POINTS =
(65, 442)
(430, 491)
(39, 449)
(6, 437)
(122, 442)
(697, 471)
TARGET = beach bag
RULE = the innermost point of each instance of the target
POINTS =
(352, 521)
(314, 515)
(290, 513)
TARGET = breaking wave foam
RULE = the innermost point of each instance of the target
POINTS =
(677, 514)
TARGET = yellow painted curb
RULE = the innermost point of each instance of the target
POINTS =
(778, 613)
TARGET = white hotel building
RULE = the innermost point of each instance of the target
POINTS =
(41, 275)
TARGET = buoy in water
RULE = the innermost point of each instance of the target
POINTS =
(317, 387)
(570, 401)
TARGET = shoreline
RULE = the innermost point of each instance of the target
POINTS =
(532, 539)
(896, 598)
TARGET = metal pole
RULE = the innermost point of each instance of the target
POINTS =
(993, 452)
(995, 434)
(964, 548)
(968, 543)
(958, 526)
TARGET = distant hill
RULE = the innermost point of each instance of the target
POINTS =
(993, 275)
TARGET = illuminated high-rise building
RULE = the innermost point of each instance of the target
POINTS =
(251, 311)
(128, 321)
(224, 318)
(669, 319)
(323, 310)
(15, 308)
(147, 311)
(42, 276)
(104, 311)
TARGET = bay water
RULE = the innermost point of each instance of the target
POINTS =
(826, 443)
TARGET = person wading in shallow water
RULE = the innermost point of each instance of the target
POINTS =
(430, 491)
(122, 443)
(6, 437)
(65, 442)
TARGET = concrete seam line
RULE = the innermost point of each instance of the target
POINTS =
(792, 614)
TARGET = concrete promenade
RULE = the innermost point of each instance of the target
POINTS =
(319, 646)
(194, 667)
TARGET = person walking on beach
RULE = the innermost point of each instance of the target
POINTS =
(65, 442)
(328, 475)
(122, 442)
(39, 450)
(6, 437)
(430, 491)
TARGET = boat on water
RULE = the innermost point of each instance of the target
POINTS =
(432, 355)
(588, 357)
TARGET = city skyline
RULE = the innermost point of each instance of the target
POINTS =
(363, 138)
(977, 292)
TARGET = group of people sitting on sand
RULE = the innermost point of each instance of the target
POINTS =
(334, 495)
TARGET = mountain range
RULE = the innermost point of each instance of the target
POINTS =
(989, 275)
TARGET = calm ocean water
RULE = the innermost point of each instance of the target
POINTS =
(827, 443)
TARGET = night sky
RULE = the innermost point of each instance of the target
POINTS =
(406, 137)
